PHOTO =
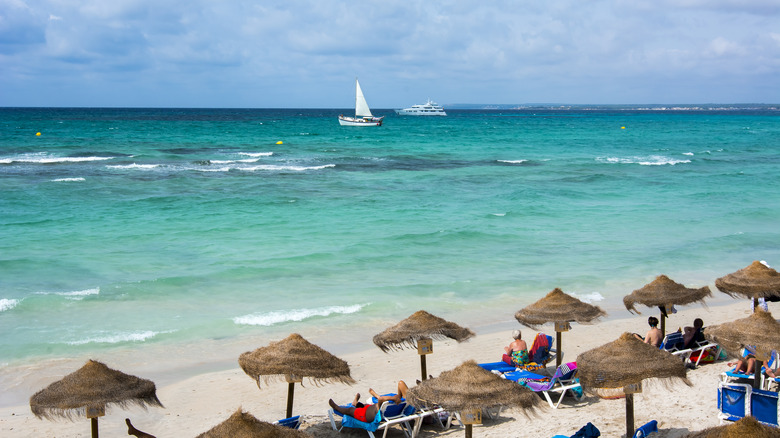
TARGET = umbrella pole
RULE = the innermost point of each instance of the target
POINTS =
(290, 393)
(94, 428)
(629, 415)
(663, 325)
(468, 431)
(559, 350)
(757, 374)
(423, 367)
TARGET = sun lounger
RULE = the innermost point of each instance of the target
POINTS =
(391, 414)
(544, 357)
(646, 429)
(292, 422)
(732, 374)
(672, 342)
(498, 367)
(738, 400)
(562, 382)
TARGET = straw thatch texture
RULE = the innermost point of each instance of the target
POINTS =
(470, 386)
(746, 427)
(558, 306)
(92, 386)
(627, 361)
(754, 281)
(245, 425)
(294, 356)
(420, 325)
(760, 330)
(663, 291)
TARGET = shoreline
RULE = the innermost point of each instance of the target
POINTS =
(168, 363)
(195, 403)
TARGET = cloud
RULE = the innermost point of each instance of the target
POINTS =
(296, 53)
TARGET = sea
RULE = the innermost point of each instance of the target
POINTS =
(194, 234)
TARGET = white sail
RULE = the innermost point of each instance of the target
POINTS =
(361, 107)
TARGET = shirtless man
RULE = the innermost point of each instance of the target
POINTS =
(653, 336)
(367, 413)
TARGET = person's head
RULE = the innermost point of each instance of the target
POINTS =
(698, 323)
(516, 334)
(653, 321)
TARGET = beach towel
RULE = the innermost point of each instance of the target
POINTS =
(350, 421)
(540, 348)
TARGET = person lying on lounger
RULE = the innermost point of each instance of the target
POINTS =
(367, 413)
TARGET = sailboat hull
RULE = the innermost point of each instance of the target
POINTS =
(360, 121)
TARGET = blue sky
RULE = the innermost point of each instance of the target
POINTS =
(262, 54)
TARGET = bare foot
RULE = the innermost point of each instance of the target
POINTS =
(332, 403)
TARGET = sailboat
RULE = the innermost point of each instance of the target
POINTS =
(363, 116)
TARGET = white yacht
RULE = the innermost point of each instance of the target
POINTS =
(430, 108)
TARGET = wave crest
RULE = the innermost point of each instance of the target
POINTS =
(282, 316)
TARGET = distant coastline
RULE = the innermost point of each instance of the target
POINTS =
(616, 107)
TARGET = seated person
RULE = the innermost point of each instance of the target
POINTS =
(693, 335)
(370, 413)
(653, 336)
(744, 365)
(518, 349)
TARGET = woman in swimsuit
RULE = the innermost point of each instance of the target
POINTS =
(367, 413)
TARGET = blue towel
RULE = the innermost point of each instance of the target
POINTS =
(350, 421)
(587, 431)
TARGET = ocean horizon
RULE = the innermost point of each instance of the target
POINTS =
(138, 229)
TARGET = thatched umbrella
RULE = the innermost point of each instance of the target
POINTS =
(293, 359)
(418, 331)
(754, 282)
(759, 330)
(560, 308)
(745, 427)
(469, 387)
(245, 425)
(89, 390)
(663, 293)
(625, 363)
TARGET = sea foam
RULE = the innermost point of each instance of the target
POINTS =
(44, 158)
(589, 298)
(653, 160)
(115, 338)
(7, 304)
(77, 295)
(282, 316)
(68, 179)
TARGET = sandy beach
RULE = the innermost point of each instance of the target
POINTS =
(196, 403)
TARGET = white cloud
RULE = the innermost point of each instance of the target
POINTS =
(502, 52)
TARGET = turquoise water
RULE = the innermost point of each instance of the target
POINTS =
(124, 228)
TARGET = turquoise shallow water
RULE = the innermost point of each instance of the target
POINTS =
(162, 227)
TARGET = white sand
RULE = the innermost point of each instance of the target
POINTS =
(197, 403)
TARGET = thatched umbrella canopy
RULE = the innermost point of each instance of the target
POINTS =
(755, 281)
(420, 326)
(244, 425)
(293, 359)
(663, 292)
(560, 308)
(626, 362)
(746, 427)
(89, 390)
(760, 330)
(469, 387)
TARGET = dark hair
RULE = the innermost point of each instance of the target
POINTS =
(698, 323)
(653, 321)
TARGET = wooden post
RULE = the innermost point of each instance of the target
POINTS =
(630, 390)
(424, 346)
(663, 325)
(94, 413)
(290, 394)
(558, 349)
(468, 431)
(629, 415)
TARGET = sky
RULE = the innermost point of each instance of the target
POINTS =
(307, 54)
